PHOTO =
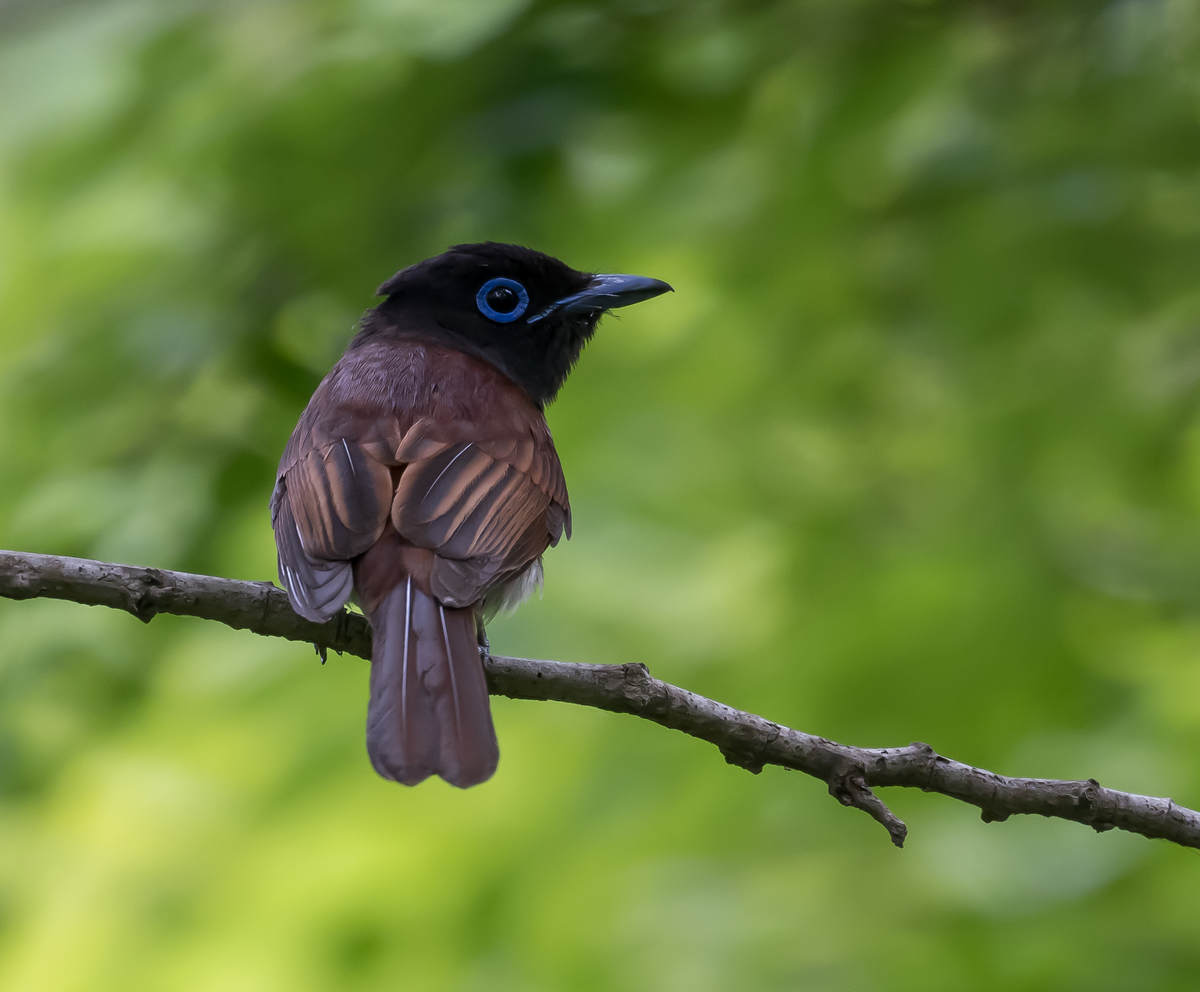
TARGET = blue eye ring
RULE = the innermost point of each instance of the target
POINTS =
(485, 308)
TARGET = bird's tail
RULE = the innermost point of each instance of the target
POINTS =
(429, 712)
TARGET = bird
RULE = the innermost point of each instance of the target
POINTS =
(422, 481)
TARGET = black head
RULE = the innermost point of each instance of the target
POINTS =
(524, 312)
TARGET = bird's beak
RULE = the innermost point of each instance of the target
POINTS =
(605, 292)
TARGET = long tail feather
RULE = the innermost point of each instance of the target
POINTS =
(428, 713)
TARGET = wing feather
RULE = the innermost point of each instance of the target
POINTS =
(488, 508)
(473, 476)
(329, 506)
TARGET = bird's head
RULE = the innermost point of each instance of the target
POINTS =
(521, 310)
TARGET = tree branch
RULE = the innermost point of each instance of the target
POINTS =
(745, 739)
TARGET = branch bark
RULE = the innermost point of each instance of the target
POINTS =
(745, 739)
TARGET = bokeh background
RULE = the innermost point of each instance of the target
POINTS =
(912, 453)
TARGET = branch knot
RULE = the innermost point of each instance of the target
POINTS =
(145, 604)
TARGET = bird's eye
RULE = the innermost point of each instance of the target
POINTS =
(502, 300)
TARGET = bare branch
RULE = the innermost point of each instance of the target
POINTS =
(746, 740)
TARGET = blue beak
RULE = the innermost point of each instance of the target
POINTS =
(605, 292)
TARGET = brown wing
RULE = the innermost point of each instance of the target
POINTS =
(330, 504)
(486, 499)
(479, 482)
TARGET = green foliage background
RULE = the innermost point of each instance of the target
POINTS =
(913, 453)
